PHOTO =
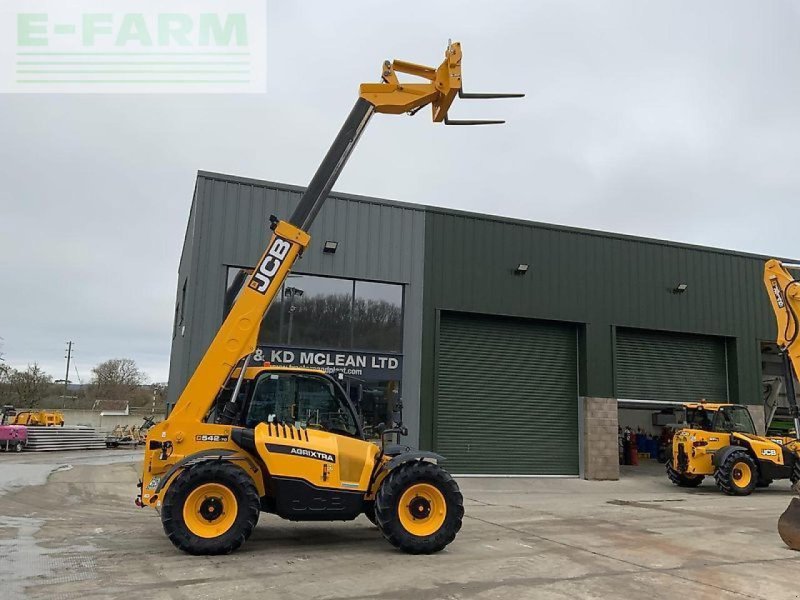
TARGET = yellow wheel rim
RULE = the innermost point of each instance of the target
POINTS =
(742, 474)
(422, 509)
(210, 510)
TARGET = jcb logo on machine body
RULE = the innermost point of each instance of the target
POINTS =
(270, 265)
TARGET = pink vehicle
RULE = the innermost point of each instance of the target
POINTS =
(12, 437)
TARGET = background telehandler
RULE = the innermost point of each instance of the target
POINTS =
(721, 440)
(245, 438)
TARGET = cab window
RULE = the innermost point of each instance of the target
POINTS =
(734, 418)
(299, 400)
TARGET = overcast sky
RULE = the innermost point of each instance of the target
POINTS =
(677, 120)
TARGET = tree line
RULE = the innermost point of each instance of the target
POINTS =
(114, 379)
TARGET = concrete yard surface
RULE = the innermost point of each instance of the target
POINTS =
(76, 534)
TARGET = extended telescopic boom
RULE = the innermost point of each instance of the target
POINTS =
(237, 337)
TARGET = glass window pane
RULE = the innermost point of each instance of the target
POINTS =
(322, 312)
(272, 401)
(233, 286)
(377, 404)
(312, 311)
(378, 317)
(319, 408)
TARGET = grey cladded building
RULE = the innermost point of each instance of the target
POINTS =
(501, 369)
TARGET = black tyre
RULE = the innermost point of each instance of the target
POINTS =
(18, 447)
(211, 508)
(681, 480)
(795, 476)
(737, 475)
(369, 511)
(419, 508)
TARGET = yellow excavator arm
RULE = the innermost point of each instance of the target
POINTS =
(237, 337)
(784, 296)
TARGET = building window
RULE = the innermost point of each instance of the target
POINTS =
(378, 316)
(352, 329)
(329, 312)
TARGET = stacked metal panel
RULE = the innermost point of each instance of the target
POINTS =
(41, 439)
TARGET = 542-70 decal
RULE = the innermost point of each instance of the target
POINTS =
(211, 438)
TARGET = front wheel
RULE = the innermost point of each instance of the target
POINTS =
(419, 508)
(737, 475)
(211, 508)
(18, 447)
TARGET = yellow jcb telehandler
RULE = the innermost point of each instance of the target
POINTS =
(721, 440)
(245, 438)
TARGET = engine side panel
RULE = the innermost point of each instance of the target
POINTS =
(764, 449)
(324, 460)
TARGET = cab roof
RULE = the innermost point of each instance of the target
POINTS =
(710, 406)
(253, 372)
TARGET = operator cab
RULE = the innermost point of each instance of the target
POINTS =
(303, 398)
(721, 418)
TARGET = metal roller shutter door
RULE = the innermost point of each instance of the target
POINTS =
(654, 365)
(506, 396)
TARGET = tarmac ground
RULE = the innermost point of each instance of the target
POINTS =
(69, 530)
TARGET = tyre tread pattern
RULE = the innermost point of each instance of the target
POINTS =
(392, 489)
(724, 474)
(247, 499)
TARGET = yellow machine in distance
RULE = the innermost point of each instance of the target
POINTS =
(38, 418)
(246, 438)
(721, 440)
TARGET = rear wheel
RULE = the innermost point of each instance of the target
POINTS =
(795, 476)
(18, 447)
(211, 508)
(680, 479)
(419, 508)
(737, 475)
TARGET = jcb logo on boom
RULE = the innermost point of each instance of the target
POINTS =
(270, 265)
(776, 291)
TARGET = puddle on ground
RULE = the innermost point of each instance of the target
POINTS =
(26, 563)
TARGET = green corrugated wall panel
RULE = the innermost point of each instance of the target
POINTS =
(506, 398)
(598, 281)
(654, 365)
